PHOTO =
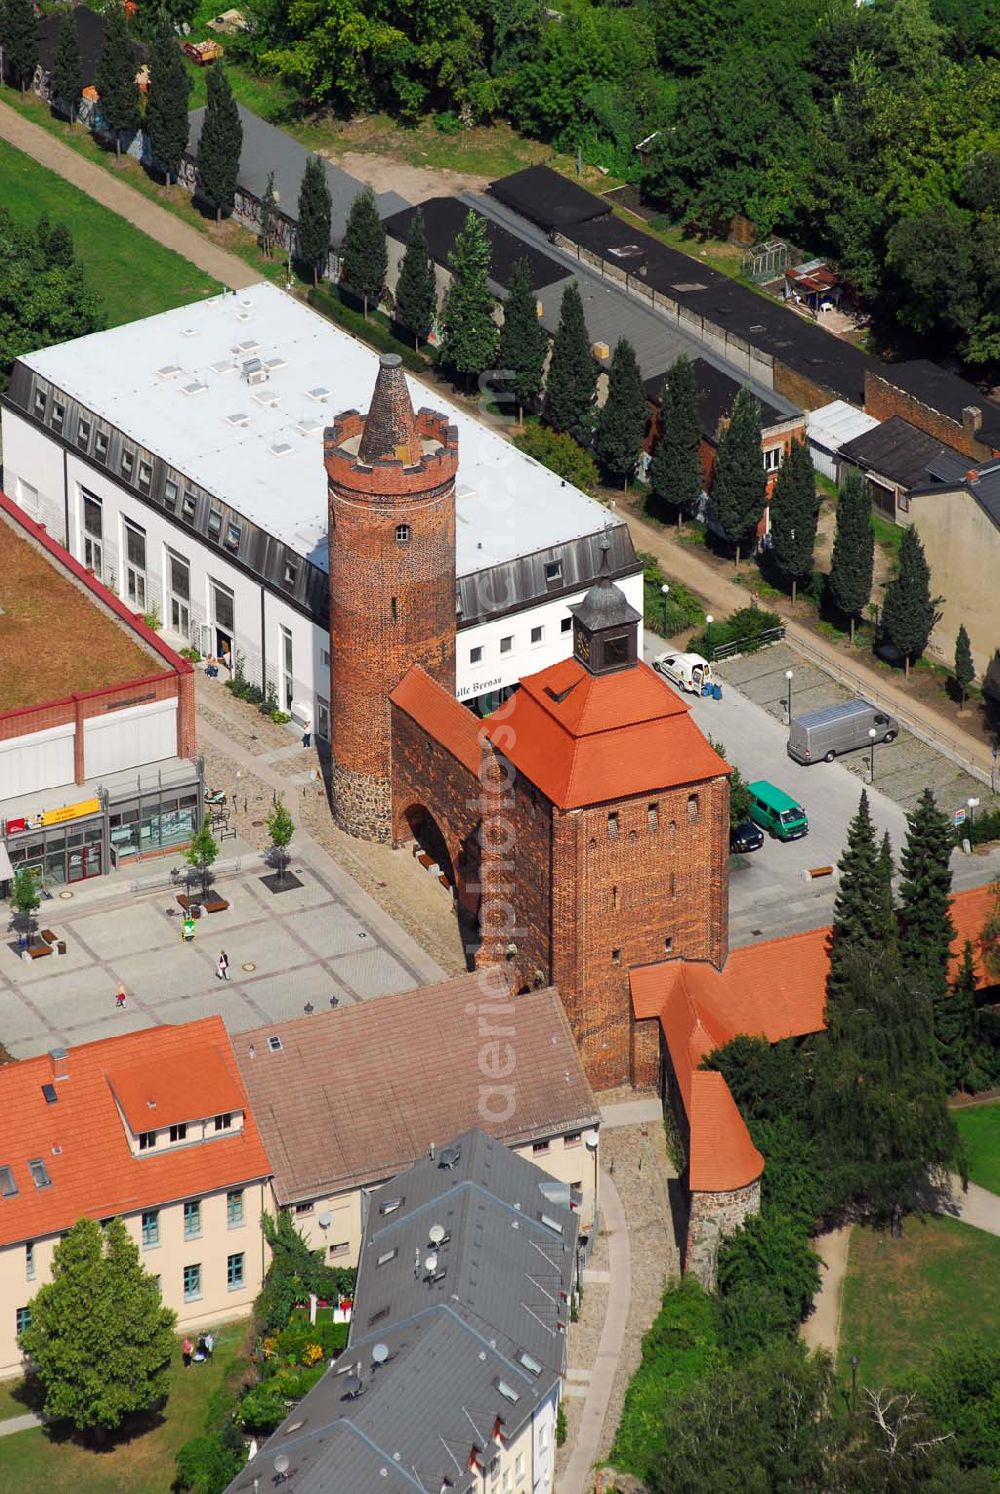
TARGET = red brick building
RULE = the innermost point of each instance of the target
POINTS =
(584, 825)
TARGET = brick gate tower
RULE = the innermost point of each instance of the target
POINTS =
(391, 478)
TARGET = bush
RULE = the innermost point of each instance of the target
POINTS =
(768, 1259)
(330, 1337)
(680, 1348)
(376, 334)
(561, 454)
(684, 608)
(560, 1425)
(192, 655)
(977, 832)
(207, 1465)
(745, 627)
(263, 1407)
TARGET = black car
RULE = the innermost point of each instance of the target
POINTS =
(745, 837)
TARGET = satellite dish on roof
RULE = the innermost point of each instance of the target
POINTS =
(324, 1221)
(450, 1156)
(353, 1386)
(380, 1353)
(436, 1233)
(430, 1264)
(281, 1464)
(591, 1139)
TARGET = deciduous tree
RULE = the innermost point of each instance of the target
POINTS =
(44, 297)
(416, 288)
(314, 218)
(740, 485)
(166, 120)
(561, 454)
(794, 510)
(852, 567)
(965, 669)
(100, 1339)
(675, 470)
(909, 610)
(67, 69)
(116, 85)
(220, 144)
(571, 382)
(280, 829)
(524, 342)
(469, 334)
(365, 256)
(622, 420)
(202, 854)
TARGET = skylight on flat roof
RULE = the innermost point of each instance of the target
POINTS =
(281, 448)
(195, 387)
(169, 371)
(224, 366)
(272, 363)
(319, 394)
(306, 426)
(239, 418)
(248, 345)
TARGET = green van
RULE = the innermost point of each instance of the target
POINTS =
(772, 809)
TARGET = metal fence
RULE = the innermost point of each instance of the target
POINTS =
(177, 876)
(749, 645)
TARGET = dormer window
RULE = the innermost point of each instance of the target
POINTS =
(147, 1140)
(178, 1133)
(223, 1122)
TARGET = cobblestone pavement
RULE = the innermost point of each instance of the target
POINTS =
(636, 1159)
(411, 896)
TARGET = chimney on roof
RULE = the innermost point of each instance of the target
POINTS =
(59, 1059)
(972, 420)
(972, 475)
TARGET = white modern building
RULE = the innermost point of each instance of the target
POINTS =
(181, 458)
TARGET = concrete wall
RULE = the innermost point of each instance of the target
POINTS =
(218, 1240)
(962, 545)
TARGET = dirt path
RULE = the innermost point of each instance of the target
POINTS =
(821, 1330)
(415, 183)
(122, 199)
(722, 596)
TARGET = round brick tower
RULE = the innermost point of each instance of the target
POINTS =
(391, 478)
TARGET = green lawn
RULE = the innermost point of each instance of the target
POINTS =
(144, 1464)
(979, 1128)
(904, 1298)
(133, 275)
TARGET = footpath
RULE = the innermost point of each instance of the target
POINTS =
(104, 187)
(723, 596)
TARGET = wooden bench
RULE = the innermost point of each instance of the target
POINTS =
(37, 951)
(49, 936)
(215, 905)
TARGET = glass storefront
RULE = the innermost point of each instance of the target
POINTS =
(64, 853)
(136, 825)
(136, 829)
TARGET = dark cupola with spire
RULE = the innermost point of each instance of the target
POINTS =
(605, 626)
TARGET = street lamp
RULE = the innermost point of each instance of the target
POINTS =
(789, 676)
(871, 737)
(973, 806)
(854, 1379)
(709, 620)
(665, 589)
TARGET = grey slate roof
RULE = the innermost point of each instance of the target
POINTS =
(951, 470)
(899, 451)
(267, 149)
(450, 1340)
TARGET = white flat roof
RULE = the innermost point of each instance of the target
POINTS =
(833, 425)
(172, 383)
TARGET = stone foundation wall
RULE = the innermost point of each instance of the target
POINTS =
(362, 804)
(712, 1217)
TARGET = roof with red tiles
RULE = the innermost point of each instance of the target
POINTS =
(450, 724)
(354, 1095)
(774, 990)
(188, 1086)
(83, 1142)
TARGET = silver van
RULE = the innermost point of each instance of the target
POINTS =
(820, 736)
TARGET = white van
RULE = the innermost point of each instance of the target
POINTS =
(689, 671)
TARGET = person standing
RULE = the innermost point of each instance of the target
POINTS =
(222, 968)
(307, 728)
(187, 1349)
(120, 996)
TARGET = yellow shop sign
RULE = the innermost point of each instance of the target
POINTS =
(71, 812)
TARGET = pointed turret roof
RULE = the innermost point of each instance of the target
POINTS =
(605, 604)
(390, 432)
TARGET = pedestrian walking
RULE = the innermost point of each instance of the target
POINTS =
(187, 1349)
(307, 729)
(222, 967)
(209, 1345)
(120, 995)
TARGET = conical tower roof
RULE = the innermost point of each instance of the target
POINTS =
(390, 431)
(605, 605)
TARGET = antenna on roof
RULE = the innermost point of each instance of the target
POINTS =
(380, 1353)
(436, 1234)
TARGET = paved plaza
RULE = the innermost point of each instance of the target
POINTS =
(309, 944)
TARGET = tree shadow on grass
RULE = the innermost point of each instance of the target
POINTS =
(132, 1429)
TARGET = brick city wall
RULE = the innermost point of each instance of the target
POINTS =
(711, 1217)
(883, 400)
(427, 778)
(530, 878)
(650, 886)
(645, 1061)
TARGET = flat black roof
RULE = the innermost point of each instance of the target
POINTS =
(944, 392)
(90, 29)
(444, 217)
(545, 197)
(759, 321)
(899, 451)
(716, 392)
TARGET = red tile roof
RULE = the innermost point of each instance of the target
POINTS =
(774, 990)
(84, 1145)
(442, 717)
(187, 1087)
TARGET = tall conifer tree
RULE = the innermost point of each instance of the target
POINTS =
(220, 145)
(167, 103)
(67, 69)
(622, 420)
(955, 1024)
(675, 471)
(416, 288)
(740, 484)
(908, 612)
(268, 217)
(315, 217)
(366, 258)
(116, 85)
(794, 510)
(523, 340)
(20, 40)
(853, 563)
(965, 669)
(885, 871)
(859, 907)
(469, 333)
(572, 377)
